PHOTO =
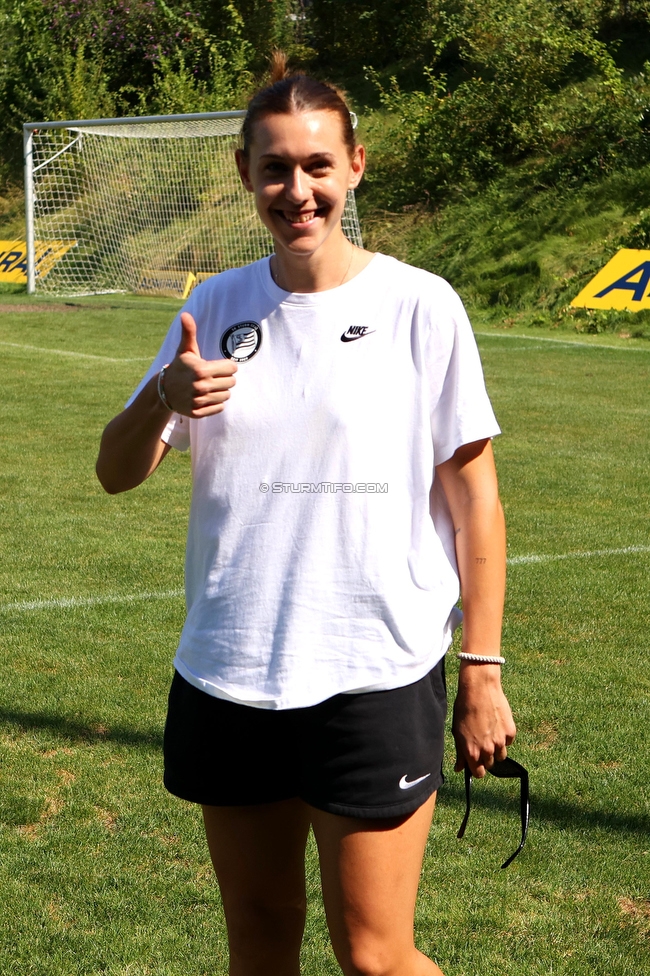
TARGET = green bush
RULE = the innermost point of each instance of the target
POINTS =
(355, 32)
(94, 58)
(528, 84)
(638, 235)
(179, 87)
(591, 321)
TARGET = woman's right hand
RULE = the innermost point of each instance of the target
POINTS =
(197, 387)
(131, 447)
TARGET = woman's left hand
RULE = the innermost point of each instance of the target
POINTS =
(483, 726)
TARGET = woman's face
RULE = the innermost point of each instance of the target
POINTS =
(300, 170)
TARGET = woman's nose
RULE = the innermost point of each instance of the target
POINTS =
(296, 186)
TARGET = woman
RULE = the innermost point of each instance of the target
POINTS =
(343, 480)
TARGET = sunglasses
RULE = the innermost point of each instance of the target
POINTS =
(505, 769)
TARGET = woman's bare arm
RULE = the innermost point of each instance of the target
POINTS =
(483, 726)
(131, 448)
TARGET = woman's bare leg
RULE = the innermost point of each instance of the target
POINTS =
(258, 853)
(370, 872)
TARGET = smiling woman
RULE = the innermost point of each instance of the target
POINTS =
(300, 165)
(309, 686)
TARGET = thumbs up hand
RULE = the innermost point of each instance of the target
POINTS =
(197, 387)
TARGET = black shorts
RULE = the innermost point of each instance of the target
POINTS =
(375, 754)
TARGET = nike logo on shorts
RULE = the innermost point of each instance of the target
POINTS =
(404, 784)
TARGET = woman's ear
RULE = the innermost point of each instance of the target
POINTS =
(358, 165)
(243, 165)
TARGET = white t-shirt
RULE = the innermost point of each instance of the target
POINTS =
(319, 558)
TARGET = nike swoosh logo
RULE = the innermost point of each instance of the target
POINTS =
(404, 784)
(358, 335)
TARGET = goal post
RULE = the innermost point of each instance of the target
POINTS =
(151, 204)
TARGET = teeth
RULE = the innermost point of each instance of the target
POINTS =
(299, 218)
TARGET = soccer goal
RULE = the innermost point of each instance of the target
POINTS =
(149, 205)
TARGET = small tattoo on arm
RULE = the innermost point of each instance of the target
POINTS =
(481, 559)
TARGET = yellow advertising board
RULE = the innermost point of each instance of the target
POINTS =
(13, 258)
(624, 283)
(178, 284)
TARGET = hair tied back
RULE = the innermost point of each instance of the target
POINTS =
(289, 93)
(278, 67)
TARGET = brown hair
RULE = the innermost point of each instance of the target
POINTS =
(288, 93)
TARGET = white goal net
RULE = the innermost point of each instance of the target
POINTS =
(140, 205)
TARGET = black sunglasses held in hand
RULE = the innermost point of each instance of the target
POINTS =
(505, 769)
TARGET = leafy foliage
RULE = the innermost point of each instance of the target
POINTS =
(90, 58)
(376, 33)
(523, 81)
(464, 92)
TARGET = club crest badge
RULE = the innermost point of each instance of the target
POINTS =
(241, 341)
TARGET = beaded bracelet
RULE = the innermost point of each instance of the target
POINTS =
(161, 389)
(480, 658)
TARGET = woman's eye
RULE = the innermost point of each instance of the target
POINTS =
(316, 168)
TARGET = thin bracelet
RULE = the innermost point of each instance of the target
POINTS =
(161, 388)
(480, 658)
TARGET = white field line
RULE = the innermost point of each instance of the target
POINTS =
(594, 554)
(88, 601)
(73, 602)
(487, 335)
(561, 342)
(76, 355)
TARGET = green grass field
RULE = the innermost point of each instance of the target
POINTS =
(101, 872)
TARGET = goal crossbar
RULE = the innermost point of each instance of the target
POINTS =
(135, 120)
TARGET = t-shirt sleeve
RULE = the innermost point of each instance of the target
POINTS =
(461, 411)
(177, 431)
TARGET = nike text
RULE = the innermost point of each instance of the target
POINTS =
(356, 332)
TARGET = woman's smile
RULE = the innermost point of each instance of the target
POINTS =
(301, 217)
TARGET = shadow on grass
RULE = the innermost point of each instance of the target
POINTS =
(559, 813)
(562, 814)
(86, 733)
